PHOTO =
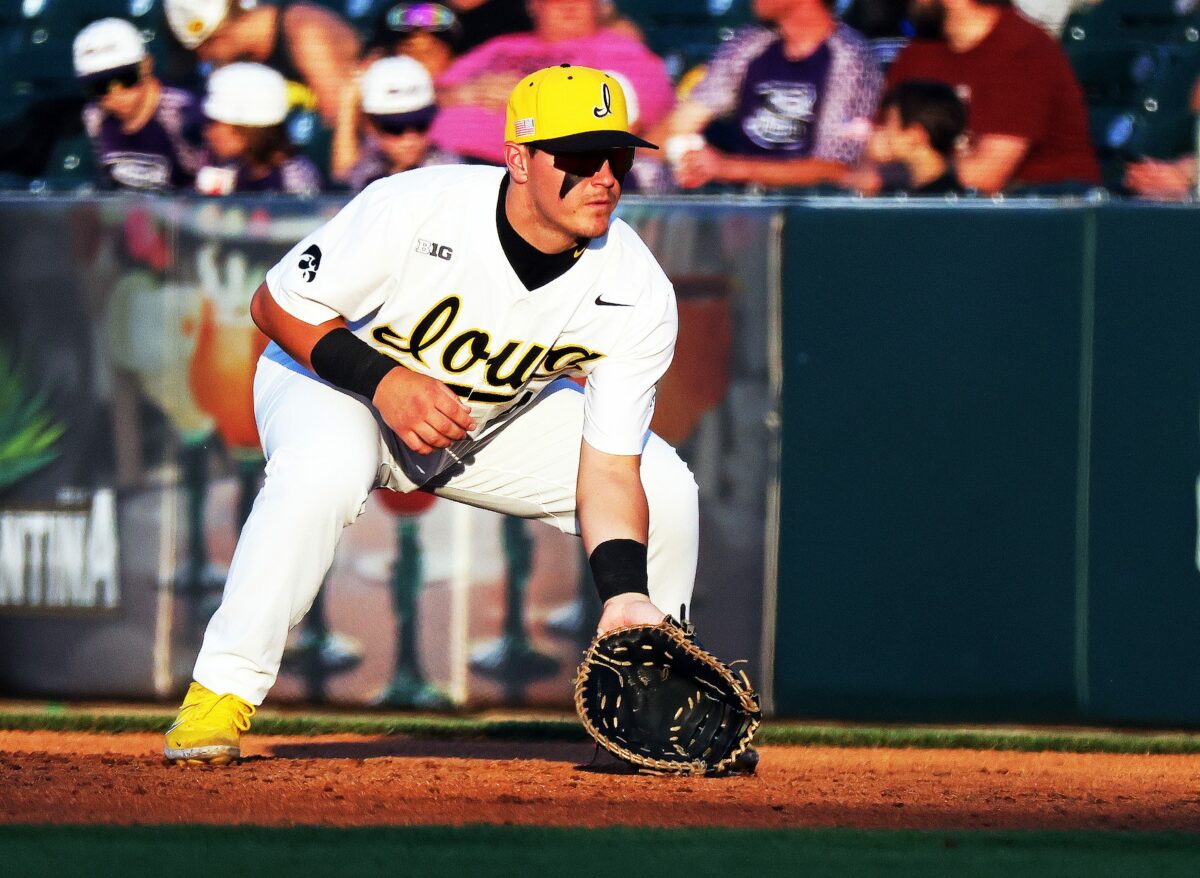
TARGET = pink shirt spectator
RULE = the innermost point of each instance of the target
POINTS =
(478, 132)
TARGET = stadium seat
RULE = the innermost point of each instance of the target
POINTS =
(71, 166)
(308, 133)
(686, 33)
(1111, 73)
(1117, 21)
(1164, 125)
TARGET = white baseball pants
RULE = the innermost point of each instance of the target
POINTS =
(325, 453)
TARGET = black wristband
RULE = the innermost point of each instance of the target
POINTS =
(346, 361)
(619, 566)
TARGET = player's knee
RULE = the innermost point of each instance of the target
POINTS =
(323, 479)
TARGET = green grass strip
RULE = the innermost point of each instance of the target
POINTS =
(58, 718)
(501, 851)
(1024, 740)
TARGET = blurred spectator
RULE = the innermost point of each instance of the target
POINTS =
(483, 20)
(429, 32)
(876, 18)
(310, 45)
(885, 18)
(394, 103)
(1052, 15)
(145, 135)
(1160, 179)
(784, 106)
(1026, 117)
(913, 146)
(249, 149)
(473, 92)
(1172, 180)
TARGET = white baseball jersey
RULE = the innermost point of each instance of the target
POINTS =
(415, 266)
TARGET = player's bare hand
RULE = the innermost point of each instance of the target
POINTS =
(630, 608)
(424, 412)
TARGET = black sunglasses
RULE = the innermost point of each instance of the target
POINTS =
(390, 127)
(588, 164)
(127, 78)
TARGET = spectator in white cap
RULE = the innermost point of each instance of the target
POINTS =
(311, 46)
(145, 135)
(384, 123)
(246, 105)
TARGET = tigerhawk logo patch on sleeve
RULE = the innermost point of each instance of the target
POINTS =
(310, 261)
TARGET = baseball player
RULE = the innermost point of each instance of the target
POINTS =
(424, 339)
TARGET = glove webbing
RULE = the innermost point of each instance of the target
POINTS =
(710, 731)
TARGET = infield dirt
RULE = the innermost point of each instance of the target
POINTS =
(346, 780)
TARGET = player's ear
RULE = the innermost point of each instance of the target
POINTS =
(516, 159)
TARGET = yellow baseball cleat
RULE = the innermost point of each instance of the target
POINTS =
(208, 729)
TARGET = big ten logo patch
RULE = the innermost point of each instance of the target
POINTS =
(432, 248)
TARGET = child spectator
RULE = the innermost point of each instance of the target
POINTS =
(311, 46)
(246, 105)
(144, 134)
(428, 32)
(914, 145)
(395, 105)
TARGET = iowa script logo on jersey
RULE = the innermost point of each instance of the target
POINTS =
(507, 366)
(441, 251)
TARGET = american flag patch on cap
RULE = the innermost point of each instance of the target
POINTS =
(524, 127)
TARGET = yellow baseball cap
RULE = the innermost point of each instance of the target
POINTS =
(570, 109)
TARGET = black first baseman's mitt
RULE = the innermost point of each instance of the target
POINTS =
(650, 695)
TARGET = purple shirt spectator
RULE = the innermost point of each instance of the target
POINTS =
(478, 131)
(820, 106)
(163, 154)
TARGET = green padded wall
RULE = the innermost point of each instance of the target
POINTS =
(930, 423)
(989, 465)
(1143, 644)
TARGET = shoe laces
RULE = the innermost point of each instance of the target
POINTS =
(242, 711)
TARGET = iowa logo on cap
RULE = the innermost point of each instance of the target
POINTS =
(606, 101)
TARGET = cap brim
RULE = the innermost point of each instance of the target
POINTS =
(109, 72)
(588, 141)
(423, 116)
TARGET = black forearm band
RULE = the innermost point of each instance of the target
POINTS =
(346, 361)
(619, 566)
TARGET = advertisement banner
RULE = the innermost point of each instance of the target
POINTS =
(127, 356)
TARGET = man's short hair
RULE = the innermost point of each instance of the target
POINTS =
(932, 105)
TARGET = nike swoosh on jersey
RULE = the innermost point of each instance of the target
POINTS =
(600, 301)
